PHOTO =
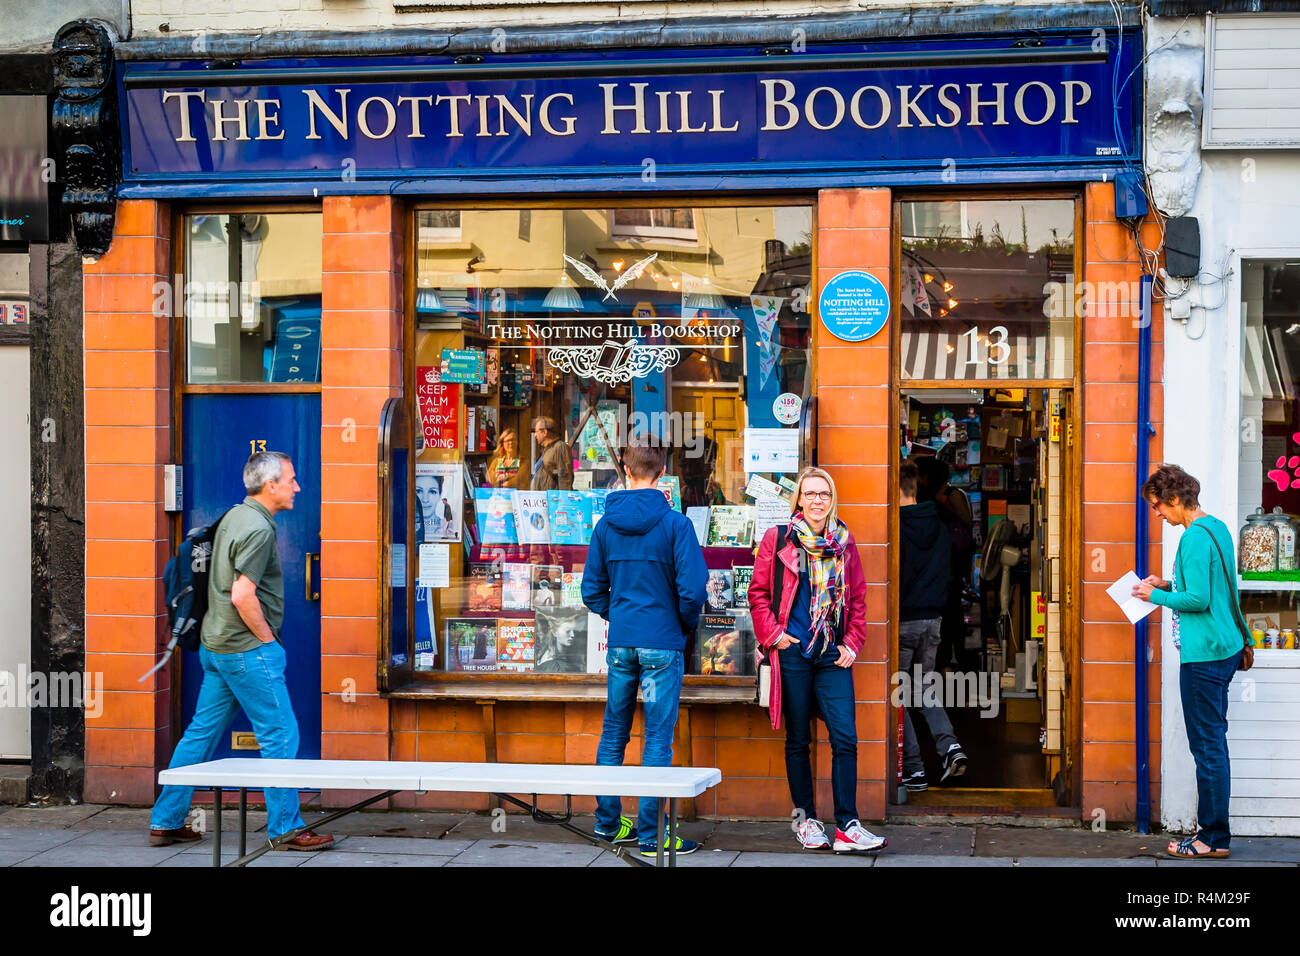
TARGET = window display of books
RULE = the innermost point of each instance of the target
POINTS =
(730, 526)
(724, 644)
(471, 644)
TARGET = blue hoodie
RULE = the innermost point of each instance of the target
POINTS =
(645, 572)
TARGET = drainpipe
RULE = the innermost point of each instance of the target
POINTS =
(1140, 667)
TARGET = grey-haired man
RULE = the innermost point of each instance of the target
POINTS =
(242, 658)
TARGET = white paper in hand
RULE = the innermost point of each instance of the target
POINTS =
(1121, 592)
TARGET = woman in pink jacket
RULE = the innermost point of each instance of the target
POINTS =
(811, 625)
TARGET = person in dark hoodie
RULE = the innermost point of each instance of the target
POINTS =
(645, 575)
(924, 569)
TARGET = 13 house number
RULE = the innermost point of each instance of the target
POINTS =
(998, 345)
(255, 445)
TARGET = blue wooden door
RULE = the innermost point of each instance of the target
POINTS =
(217, 432)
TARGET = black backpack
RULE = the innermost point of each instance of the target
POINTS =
(185, 586)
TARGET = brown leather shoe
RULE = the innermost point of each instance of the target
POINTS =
(168, 837)
(308, 840)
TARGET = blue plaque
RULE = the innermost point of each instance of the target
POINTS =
(854, 306)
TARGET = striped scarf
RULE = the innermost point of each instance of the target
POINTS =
(825, 554)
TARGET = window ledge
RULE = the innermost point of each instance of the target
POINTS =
(676, 248)
(567, 691)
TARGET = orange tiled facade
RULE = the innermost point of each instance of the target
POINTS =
(128, 402)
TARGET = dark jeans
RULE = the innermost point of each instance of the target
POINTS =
(811, 687)
(1204, 689)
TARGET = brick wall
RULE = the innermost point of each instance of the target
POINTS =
(127, 395)
(1110, 376)
(361, 368)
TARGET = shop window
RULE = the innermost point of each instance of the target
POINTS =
(988, 291)
(251, 298)
(672, 223)
(707, 355)
(440, 225)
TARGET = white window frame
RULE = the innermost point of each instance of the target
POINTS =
(654, 232)
(437, 234)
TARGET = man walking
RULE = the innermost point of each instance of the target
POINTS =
(923, 592)
(242, 658)
(645, 574)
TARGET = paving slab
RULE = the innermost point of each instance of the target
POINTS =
(1075, 842)
(47, 818)
(940, 841)
(137, 818)
(759, 836)
(10, 857)
(412, 846)
(1215, 864)
(35, 840)
(507, 853)
(700, 858)
(197, 860)
(1146, 861)
(395, 823)
(806, 858)
(1273, 849)
(76, 855)
(918, 859)
(333, 858)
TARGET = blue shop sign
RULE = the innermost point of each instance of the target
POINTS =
(854, 306)
(959, 110)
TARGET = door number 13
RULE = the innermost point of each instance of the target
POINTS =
(998, 345)
(255, 445)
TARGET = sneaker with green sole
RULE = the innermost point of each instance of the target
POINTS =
(683, 847)
(626, 832)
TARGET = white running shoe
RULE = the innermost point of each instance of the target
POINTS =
(855, 838)
(812, 835)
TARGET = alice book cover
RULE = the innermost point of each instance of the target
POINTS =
(547, 585)
(515, 644)
(570, 515)
(471, 644)
(561, 641)
(532, 517)
(495, 511)
(741, 575)
(516, 587)
(717, 590)
(485, 586)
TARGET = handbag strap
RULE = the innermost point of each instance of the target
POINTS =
(1223, 562)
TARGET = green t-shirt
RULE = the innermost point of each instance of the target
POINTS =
(1207, 618)
(245, 544)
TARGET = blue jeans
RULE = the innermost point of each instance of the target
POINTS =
(807, 689)
(658, 673)
(918, 644)
(1204, 689)
(253, 680)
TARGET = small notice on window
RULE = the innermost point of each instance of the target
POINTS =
(435, 566)
(771, 449)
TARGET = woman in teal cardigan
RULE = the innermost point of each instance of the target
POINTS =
(1209, 638)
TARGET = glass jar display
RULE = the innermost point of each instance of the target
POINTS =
(1259, 540)
(1286, 540)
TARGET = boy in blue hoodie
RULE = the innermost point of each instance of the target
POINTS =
(645, 575)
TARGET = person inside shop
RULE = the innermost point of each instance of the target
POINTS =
(554, 468)
(808, 603)
(924, 566)
(1210, 637)
(645, 575)
(955, 512)
(503, 469)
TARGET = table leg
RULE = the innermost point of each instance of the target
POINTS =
(243, 821)
(216, 820)
(659, 836)
(672, 832)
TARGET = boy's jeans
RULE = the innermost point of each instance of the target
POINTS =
(918, 643)
(658, 673)
(253, 680)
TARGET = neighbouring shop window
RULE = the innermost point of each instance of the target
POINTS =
(987, 290)
(653, 223)
(547, 314)
(252, 298)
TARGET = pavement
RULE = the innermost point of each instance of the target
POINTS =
(89, 835)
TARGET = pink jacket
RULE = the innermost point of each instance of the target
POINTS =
(770, 622)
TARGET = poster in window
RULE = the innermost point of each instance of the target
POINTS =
(426, 653)
(561, 641)
(600, 438)
(439, 404)
(438, 500)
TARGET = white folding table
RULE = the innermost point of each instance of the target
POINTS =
(667, 784)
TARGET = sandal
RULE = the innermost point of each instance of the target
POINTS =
(1187, 850)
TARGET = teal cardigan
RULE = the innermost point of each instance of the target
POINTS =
(1207, 622)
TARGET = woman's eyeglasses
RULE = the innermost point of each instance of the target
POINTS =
(817, 495)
